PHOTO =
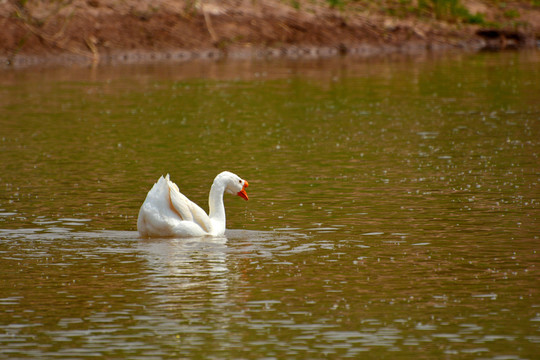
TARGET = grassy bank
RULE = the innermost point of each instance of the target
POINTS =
(99, 29)
(497, 13)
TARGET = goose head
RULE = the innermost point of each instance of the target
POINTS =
(234, 184)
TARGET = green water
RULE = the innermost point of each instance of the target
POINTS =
(393, 213)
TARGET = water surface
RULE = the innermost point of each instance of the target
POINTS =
(393, 210)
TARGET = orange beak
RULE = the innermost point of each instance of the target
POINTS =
(243, 194)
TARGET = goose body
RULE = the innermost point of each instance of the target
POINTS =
(166, 212)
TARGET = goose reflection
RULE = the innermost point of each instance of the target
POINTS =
(187, 273)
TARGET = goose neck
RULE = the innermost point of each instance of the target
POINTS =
(215, 201)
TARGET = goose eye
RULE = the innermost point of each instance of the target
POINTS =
(240, 181)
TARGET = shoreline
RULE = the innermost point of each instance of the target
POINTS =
(110, 32)
(361, 51)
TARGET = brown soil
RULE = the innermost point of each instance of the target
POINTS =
(108, 31)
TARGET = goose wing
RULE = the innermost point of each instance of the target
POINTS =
(185, 208)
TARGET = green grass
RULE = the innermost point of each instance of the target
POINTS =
(450, 10)
(336, 3)
(511, 14)
(446, 10)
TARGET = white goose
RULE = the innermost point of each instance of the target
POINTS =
(166, 212)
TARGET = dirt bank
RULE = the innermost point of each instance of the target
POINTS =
(110, 31)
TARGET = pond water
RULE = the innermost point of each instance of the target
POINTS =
(393, 213)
